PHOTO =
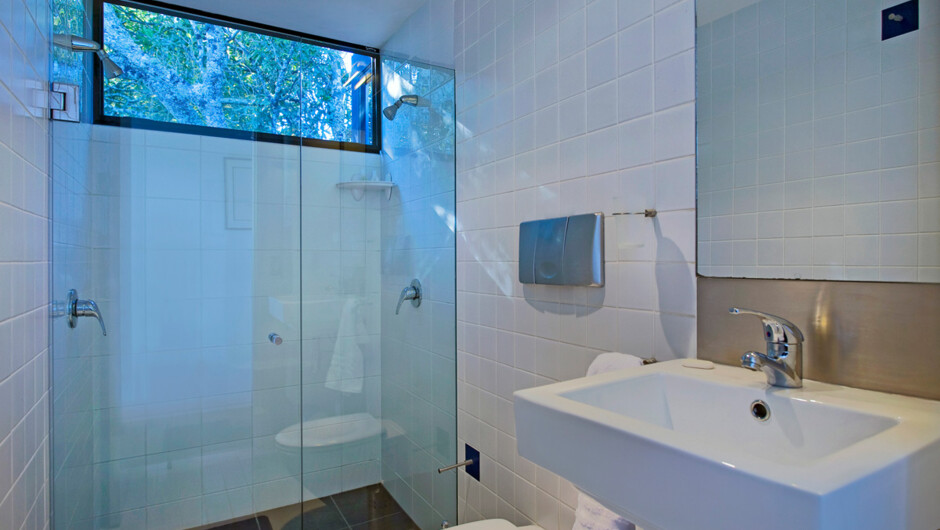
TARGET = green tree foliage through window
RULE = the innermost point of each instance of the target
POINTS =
(187, 71)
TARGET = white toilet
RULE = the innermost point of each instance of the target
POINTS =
(494, 524)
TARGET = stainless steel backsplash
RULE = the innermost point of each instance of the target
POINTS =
(878, 336)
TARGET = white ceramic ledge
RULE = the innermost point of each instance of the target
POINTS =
(358, 188)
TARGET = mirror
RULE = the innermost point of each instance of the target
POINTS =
(818, 143)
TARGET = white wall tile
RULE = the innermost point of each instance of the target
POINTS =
(608, 135)
(632, 11)
(674, 33)
(675, 80)
(898, 217)
(601, 20)
(928, 212)
(635, 47)
(600, 58)
(635, 94)
(674, 132)
(571, 33)
(571, 75)
(899, 150)
(602, 106)
(899, 251)
(24, 261)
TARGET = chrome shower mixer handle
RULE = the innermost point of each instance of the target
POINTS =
(83, 308)
(412, 292)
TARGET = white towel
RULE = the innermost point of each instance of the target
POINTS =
(592, 515)
(608, 362)
(346, 367)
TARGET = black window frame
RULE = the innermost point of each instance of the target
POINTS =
(100, 118)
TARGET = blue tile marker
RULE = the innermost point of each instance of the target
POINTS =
(472, 454)
(899, 20)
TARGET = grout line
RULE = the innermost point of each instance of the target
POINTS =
(339, 511)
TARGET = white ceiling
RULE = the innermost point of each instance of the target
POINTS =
(365, 22)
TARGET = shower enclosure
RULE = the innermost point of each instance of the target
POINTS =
(254, 363)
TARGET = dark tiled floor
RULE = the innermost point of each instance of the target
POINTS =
(366, 504)
(396, 521)
(255, 523)
(368, 508)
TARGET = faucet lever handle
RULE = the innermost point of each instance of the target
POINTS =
(777, 330)
(88, 308)
(76, 308)
(412, 292)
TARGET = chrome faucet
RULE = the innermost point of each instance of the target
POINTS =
(75, 308)
(783, 362)
(412, 292)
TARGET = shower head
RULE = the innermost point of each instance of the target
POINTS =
(75, 43)
(391, 110)
(410, 99)
(111, 69)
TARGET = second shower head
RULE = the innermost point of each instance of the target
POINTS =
(413, 100)
(75, 43)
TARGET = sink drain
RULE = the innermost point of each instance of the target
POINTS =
(760, 410)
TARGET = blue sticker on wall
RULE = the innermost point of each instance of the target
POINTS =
(899, 20)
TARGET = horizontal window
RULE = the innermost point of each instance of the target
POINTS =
(193, 73)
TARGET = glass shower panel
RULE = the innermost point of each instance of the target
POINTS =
(254, 362)
(187, 412)
(181, 415)
(418, 345)
(340, 322)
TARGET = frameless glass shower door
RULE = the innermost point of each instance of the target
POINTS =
(191, 248)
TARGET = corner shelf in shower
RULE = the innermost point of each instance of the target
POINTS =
(359, 187)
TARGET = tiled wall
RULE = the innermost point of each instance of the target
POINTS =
(72, 350)
(566, 107)
(73, 237)
(427, 35)
(819, 143)
(24, 266)
(419, 358)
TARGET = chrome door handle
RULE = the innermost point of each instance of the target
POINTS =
(412, 292)
(83, 308)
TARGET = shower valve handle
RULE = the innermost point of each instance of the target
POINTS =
(412, 292)
(83, 308)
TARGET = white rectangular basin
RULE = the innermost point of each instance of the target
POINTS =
(677, 448)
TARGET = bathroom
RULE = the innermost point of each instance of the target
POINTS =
(265, 266)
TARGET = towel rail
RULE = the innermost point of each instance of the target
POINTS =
(455, 466)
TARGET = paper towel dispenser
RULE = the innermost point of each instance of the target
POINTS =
(563, 251)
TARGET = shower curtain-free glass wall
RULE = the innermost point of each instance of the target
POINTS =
(253, 364)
